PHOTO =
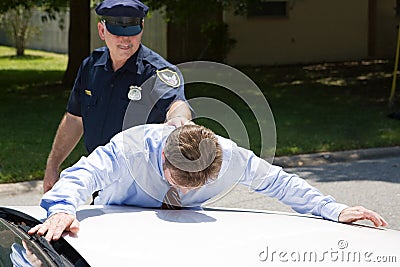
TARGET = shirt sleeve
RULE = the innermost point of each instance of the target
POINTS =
(169, 87)
(102, 167)
(290, 189)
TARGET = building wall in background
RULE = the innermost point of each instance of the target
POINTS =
(386, 28)
(316, 31)
(313, 31)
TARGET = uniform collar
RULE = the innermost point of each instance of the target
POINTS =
(105, 61)
(143, 52)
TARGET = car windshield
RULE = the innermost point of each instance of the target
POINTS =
(17, 249)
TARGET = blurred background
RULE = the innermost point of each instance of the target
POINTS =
(327, 69)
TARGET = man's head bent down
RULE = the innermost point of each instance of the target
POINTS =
(193, 156)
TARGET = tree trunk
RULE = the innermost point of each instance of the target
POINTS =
(78, 38)
(20, 46)
(186, 41)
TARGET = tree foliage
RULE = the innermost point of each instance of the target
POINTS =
(181, 10)
(50, 6)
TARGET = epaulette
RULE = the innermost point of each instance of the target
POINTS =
(98, 52)
(155, 59)
(166, 72)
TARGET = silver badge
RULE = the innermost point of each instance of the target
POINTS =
(135, 93)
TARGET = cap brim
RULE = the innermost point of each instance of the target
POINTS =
(124, 30)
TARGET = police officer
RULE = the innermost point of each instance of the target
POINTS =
(124, 77)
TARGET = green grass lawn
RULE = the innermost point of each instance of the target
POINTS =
(330, 107)
(321, 107)
(32, 103)
(317, 107)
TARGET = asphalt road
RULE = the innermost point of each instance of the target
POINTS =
(373, 183)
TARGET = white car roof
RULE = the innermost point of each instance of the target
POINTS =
(130, 236)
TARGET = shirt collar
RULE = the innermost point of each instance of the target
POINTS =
(105, 61)
(141, 53)
(161, 160)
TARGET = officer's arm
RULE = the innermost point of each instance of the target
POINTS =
(68, 135)
(178, 114)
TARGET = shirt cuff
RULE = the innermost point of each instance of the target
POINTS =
(332, 210)
(58, 208)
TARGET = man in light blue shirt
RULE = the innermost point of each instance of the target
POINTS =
(142, 164)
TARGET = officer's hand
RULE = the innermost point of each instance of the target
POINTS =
(353, 214)
(55, 225)
(50, 178)
(178, 121)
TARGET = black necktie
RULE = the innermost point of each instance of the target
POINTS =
(172, 201)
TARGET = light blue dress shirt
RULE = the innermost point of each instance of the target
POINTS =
(128, 171)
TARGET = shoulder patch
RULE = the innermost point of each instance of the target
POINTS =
(169, 77)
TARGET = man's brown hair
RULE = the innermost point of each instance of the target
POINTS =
(193, 155)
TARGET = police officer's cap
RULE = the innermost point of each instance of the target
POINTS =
(122, 17)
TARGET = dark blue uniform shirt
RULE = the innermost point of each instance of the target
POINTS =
(100, 95)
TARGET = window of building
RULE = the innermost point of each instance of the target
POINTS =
(267, 9)
(397, 7)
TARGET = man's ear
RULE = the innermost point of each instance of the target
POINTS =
(101, 29)
(142, 24)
